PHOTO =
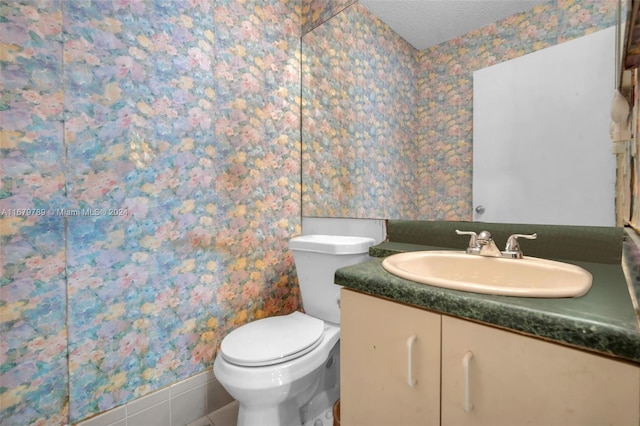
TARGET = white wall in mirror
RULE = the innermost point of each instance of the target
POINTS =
(374, 228)
(541, 146)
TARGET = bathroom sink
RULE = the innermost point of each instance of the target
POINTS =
(526, 277)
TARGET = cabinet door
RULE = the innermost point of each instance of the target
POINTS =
(503, 378)
(390, 363)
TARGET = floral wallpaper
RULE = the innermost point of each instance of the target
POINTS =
(150, 185)
(354, 165)
(150, 171)
(315, 12)
(33, 291)
(634, 218)
(445, 81)
(358, 118)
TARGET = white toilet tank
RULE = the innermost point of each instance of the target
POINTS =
(317, 257)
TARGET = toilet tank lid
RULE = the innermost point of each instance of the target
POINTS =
(332, 244)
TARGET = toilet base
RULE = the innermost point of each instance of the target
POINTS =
(329, 391)
(325, 418)
(319, 411)
(285, 414)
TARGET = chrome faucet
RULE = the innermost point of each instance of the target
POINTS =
(487, 245)
(473, 247)
(512, 250)
(482, 244)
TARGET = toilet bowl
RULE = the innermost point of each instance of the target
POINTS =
(284, 370)
(273, 393)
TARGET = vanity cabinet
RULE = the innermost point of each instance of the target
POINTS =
(495, 377)
(470, 374)
(390, 363)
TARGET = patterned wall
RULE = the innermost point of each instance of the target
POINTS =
(151, 173)
(426, 172)
(358, 118)
(445, 82)
(33, 292)
(315, 12)
(157, 146)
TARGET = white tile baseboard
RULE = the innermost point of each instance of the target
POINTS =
(225, 416)
(176, 405)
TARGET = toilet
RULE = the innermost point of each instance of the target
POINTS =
(285, 370)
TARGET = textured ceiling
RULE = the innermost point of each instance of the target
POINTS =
(425, 23)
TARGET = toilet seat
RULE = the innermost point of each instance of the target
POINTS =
(272, 340)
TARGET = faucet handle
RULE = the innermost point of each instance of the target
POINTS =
(512, 248)
(473, 247)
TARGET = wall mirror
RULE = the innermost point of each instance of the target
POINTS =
(387, 127)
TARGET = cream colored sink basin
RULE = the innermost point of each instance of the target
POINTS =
(526, 277)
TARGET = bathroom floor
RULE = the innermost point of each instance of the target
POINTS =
(228, 416)
(225, 416)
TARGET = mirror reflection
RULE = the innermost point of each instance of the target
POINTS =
(387, 129)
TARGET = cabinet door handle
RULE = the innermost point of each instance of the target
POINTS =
(411, 382)
(466, 360)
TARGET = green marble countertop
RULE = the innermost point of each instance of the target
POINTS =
(602, 321)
